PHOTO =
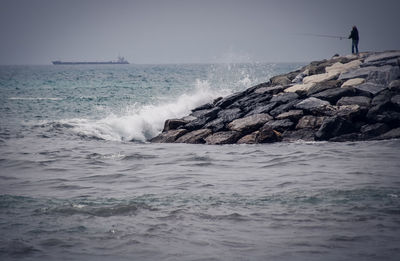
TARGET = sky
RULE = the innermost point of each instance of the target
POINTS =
(189, 31)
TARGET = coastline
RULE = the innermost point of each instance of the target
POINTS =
(345, 98)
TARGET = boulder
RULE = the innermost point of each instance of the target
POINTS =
(206, 106)
(384, 75)
(353, 82)
(230, 114)
(320, 77)
(361, 101)
(392, 134)
(299, 77)
(173, 124)
(346, 137)
(169, 136)
(270, 90)
(225, 102)
(392, 118)
(373, 130)
(350, 112)
(311, 104)
(310, 122)
(300, 87)
(395, 100)
(394, 85)
(284, 97)
(250, 123)
(382, 56)
(280, 80)
(283, 108)
(342, 68)
(224, 137)
(262, 109)
(383, 97)
(194, 137)
(216, 125)
(295, 135)
(391, 62)
(333, 127)
(207, 113)
(198, 123)
(267, 135)
(249, 139)
(358, 73)
(370, 88)
(333, 95)
(292, 115)
(279, 125)
(322, 86)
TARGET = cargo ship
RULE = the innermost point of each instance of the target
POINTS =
(121, 60)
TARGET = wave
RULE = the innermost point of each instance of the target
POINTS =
(141, 124)
(36, 98)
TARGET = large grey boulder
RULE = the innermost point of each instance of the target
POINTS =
(284, 97)
(372, 130)
(279, 125)
(225, 102)
(310, 122)
(293, 115)
(333, 95)
(382, 56)
(295, 135)
(280, 80)
(322, 86)
(283, 108)
(169, 136)
(333, 127)
(249, 138)
(224, 137)
(392, 134)
(263, 108)
(173, 124)
(194, 137)
(312, 104)
(250, 123)
(361, 101)
(267, 135)
(370, 88)
(381, 75)
(270, 90)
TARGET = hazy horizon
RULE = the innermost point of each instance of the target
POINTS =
(174, 31)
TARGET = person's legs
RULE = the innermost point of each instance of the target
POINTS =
(352, 46)
(356, 46)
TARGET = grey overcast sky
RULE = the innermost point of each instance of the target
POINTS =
(188, 31)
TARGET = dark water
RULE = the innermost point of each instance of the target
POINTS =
(72, 187)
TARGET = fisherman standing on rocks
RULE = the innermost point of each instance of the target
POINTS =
(355, 38)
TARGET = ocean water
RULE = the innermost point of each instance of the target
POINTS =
(78, 181)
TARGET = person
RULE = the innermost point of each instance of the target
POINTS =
(354, 36)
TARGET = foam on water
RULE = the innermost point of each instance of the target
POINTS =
(143, 123)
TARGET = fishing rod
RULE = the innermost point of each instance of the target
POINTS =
(325, 35)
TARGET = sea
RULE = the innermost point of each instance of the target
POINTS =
(80, 181)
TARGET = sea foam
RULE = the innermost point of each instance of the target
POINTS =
(145, 122)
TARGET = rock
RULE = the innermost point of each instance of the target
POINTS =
(173, 124)
(309, 122)
(300, 87)
(250, 123)
(225, 102)
(279, 125)
(392, 134)
(225, 137)
(208, 113)
(271, 90)
(322, 86)
(320, 77)
(299, 77)
(384, 75)
(262, 109)
(394, 85)
(382, 56)
(343, 68)
(216, 125)
(284, 98)
(375, 112)
(267, 135)
(383, 97)
(230, 114)
(361, 101)
(353, 82)
(333, 95)
(292, 115)
(169, 136)
(198, 123)
(370, 88)
(249, 139)
(194, 137)
(333, 127)
(346, 137)
(373, 130)
(350, 112)
(280, 80)
(302, 134)
(390, 117)
(189, 118)
(283, 108)
(391, 62)
(358, 73)
(395, 100)
(311, 104)
(206, 106)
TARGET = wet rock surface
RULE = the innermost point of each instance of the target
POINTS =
(342, 99)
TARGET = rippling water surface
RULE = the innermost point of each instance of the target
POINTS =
(73, 186)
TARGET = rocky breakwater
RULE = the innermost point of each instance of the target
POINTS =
(348, 98)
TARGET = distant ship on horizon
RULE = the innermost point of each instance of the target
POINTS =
(121, 60)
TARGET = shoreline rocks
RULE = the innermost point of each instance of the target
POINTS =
(351, 98)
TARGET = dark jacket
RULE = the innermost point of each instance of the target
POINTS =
(354, 34)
